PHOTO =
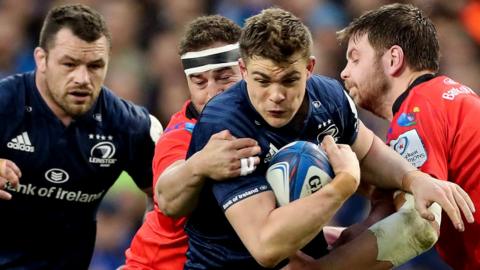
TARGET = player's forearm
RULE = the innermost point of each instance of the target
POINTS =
(178, 189)
(383, 167)
(359, 254)
(390, 242)
(280, 237)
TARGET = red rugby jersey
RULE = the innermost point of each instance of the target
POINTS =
(161, 242)
(435, 127)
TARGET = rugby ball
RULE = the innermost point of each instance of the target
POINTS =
(297, 170)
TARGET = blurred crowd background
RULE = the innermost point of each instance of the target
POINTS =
(145, 68)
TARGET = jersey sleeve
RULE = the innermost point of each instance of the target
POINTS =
(228, 193)
(423, 142)
(232, 191)
(345, 113)
(12, 97)
(141, 150)
(171, 146)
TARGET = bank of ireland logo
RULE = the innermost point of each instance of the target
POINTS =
(102, 153)
(57, 176)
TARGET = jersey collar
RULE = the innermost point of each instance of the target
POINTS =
(403, 96)
(191, 112)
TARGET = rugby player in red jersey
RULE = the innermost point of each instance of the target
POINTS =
(393, 60)
(209, 52)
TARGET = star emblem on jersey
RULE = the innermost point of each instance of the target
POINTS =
(22, 143)
(102, 153)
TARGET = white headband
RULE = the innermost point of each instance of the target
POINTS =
(196, 62)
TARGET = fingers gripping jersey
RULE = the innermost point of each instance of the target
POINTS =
(66, 171)
(435, 127)
(161, 242)
(213, 244)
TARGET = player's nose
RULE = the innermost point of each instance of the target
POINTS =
(345, 73)
(81, 75)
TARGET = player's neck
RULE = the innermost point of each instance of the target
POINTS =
(54, 107)
(401, 83)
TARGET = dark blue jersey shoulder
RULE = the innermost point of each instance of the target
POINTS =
(66, 170)
(11, 94)
(122, 115)
(326, 110)
(333, 111)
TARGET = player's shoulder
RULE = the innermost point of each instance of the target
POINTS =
(320, 81)
(324, 87)
(121, 114)
(326, 91)
(179, 128)
(13, 90)
(230, 110)
(440, 89)
(179, 121)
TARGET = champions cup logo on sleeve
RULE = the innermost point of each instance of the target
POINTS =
(201, 61)
(410, 146)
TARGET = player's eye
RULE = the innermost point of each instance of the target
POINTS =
(69, 64)
(290, 81)
(95, 66)
(225, 78)
(198, 81)
(262, 82)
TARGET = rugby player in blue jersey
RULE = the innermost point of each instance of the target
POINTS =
(64, 140)
(237, 224)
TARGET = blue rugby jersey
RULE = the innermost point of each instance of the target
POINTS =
(213, 244)
(66, 171)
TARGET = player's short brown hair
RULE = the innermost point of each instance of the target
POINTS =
(275, 34)
(207, 30)
(398, 24)
(83, 21)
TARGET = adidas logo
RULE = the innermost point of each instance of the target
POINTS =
(272, 151)
(22, 143)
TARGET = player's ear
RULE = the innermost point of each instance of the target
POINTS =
(243, 67)
(40, 56)
(395, 60)
(310, 65)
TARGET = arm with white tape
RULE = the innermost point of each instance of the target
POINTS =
(405, 234)
(389, 242)
(383, 167)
